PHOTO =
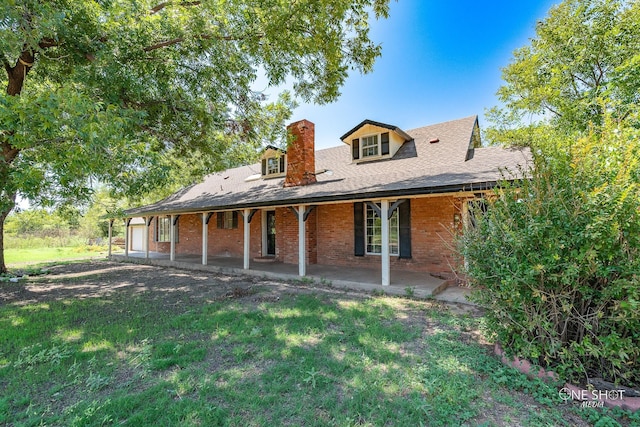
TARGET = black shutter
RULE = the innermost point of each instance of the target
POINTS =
(358, 226)
(282, 163)
(264, 168)
(220, 219)
(234, 219)
(404, 220)
(384, 140)
(355, 149)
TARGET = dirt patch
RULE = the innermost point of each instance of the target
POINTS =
(97, 279)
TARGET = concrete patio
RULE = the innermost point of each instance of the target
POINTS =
(421, 285)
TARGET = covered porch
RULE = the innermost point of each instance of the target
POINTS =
(422, 285)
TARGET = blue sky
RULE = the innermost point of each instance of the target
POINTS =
(441, 60)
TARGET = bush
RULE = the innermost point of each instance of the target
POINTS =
(556, 259)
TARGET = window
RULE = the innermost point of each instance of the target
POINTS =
(227, 220)
(370, 146)
(374, 232)
(273, 166)
(163, 230)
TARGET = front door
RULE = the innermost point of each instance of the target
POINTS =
(271, 233)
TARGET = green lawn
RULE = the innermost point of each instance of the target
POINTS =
(250, 358)
(21, 257)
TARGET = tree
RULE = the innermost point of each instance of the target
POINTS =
(122, 91)
(556, 257)
(583, 63)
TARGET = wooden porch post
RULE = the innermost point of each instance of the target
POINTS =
(205, 237)
(384, 217)
(146, 236)
(172, 238)
(302, 249)
(247, 236)
(126, 236)
(110, 235)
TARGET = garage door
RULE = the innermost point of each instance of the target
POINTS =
(137, 238)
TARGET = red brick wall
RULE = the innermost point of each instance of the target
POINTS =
(287, 236)
(431, 239)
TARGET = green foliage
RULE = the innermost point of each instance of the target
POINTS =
(103, 205)
(556, 259)
(582, 63)
(143, 95)
(35, 355)
(64, 227)
(38, 222)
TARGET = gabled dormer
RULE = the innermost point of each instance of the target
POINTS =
(274, 162)
(374, 141)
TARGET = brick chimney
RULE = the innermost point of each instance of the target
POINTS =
(301, 156)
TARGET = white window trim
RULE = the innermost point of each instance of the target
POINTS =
(375, 157)
(159, 221)
(275, 160)
(366, 228)
(378, 137)
(277, 174)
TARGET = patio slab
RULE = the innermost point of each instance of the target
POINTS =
(421, 285)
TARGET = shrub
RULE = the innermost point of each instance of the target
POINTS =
(556, 263)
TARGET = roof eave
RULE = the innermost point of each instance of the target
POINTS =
(454, 188)
(396, 129)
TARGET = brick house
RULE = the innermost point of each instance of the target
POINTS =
(325, 207)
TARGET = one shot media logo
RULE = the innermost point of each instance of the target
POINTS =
(591, 398)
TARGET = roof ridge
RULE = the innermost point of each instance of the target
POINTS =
(474, 117)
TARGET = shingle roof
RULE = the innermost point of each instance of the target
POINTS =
(419, 167)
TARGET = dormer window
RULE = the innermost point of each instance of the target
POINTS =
(374, 141)
(370, 146)
(274, 165)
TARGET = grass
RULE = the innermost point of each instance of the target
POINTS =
(18, 257)
(303, 359)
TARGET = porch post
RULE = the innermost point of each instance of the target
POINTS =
(247, 235)
(172, 238)
(384, 214)
(146, 237)
(126, 236)
(302, 264)
(205, 237)
(110, 235)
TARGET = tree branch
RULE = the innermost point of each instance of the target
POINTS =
(177, 40)
(548, 107)
(576, 77)
(164, 4)
(164, 44)
(47, 42)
